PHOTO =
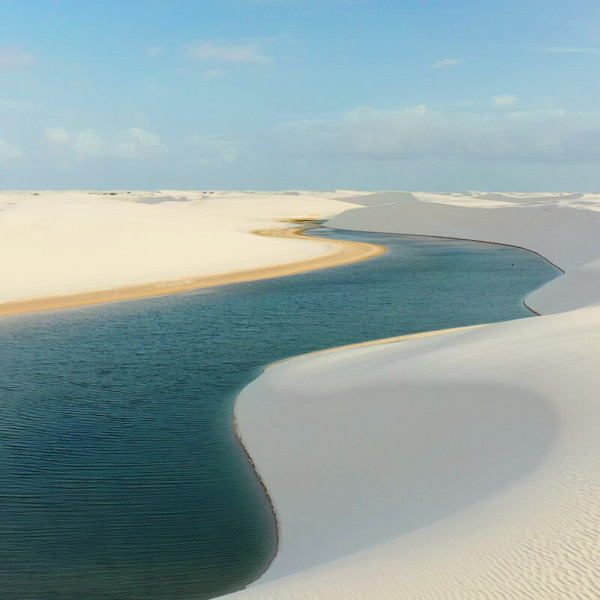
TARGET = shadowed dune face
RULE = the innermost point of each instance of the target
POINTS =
(449, 469)
(454, 445)
(381, 198)
(463, 465)
(563, 228)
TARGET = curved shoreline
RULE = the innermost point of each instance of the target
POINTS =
(345, 253)
(478, 241)
(370, 343)
(238, 433)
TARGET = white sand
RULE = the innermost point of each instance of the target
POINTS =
(60, 243)
(565, 230)
(464, 465)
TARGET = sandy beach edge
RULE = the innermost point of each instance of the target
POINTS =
(370, 343)
(240, 438)
(379, 342)
(345, 252)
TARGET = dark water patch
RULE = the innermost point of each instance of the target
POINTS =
(120, 476)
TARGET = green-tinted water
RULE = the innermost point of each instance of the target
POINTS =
(120, 477)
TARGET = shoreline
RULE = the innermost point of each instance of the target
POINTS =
(347, 252)
(240, 439)
(478, 241)
(370, 343)
(378, 342)
(533, 376)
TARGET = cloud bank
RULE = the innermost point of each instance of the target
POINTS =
(418, 133)
(133, 143)
(212, 149)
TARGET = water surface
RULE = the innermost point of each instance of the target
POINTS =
(120, 476)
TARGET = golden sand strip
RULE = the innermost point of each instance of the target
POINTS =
(398, 338)
(345, 252)
(379, 342)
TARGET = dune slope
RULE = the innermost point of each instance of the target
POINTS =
(81, 244)
(463, 465)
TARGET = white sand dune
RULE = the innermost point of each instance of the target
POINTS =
(563, 230)
(463, 465)
(61, 243)
(459, 465)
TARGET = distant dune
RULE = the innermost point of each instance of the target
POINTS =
(60, 249)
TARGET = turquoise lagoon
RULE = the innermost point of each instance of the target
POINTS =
(120, 475)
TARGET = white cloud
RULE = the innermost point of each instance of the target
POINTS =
(215, 148)
(216, 51)
(504, 100)
(88, 144)
(133, 143)
(447, 62)
(417, 133)
(56, 135)
(8, 152)
(13, 58)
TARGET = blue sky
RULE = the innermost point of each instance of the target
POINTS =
(281, 94)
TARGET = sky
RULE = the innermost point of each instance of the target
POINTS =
(431, 95)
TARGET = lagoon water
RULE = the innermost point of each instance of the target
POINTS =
(120, 476)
